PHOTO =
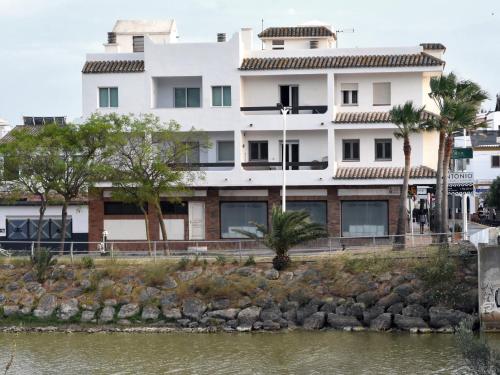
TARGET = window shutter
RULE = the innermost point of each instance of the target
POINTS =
(349, 86)
(382, 93)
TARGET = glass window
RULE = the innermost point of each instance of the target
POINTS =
(382, 93)
(242, 216)
(177, 208)
(258, 150)
(226, 96)
(349, 93)
(316, 209)
(495, 161)
(193, 97)
(121, 208)
(221, 96)
(350, 149)
(179, 97)
(113, 97)
(383, 149)
(225, 151)
(365, 218)
(278, 44)
(187, 97)
(108, 97)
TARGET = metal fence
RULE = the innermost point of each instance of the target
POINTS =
(230, 247)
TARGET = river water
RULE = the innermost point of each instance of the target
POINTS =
(298, 352)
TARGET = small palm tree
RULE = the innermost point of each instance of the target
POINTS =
(407, 118)
(288, 229)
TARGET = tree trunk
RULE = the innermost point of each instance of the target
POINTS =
(439, 185)
(146, 223)
(163, 229)
(444, 202)
(402, 218)
(64, 217)
(41, 214)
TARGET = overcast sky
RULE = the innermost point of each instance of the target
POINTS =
(44, 42)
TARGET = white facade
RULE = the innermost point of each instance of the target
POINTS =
(169, 65)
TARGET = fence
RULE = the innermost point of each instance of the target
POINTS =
(235, 248)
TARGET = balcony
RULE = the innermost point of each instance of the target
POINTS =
(176, 92)
(264, 165)
(297, 110)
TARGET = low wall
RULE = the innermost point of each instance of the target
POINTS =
(489, 287)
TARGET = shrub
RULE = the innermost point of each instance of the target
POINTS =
(196, 260)
(235, 262)
(42, 260)
(155, 274)
(88, 262)
(220, 260)
(250, 261)
(182, 264)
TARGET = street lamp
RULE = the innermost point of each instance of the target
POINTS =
(284, 110)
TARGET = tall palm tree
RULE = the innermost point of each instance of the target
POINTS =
(408, 120)
(288, 229)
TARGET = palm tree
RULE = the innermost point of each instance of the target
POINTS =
(407, 119)
(288, 229)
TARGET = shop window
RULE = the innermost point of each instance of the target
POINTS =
(316, 210)
(241, 216)
(365, 218)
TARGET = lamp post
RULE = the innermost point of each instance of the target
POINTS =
(284, 110)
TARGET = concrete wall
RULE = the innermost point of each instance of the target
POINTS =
(489, 287)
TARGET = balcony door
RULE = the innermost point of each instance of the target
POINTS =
(289, 97)
(292, 153)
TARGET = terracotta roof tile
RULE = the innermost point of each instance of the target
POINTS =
(29, 129)
(356, 173)
(370, 117)
(338, 62)
(297, 32)
(436, 46)
(113, 66)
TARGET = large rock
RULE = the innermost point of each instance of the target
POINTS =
(372, 313)
(87, 316)
(193, 308)
(46, 306)
(36, 288)
(170, 283)
(129, 310)
(147, 294)
(442, 317)
(189, 275)
(406, 323)
(342, 321)
(271, 313)
(357, 310)
(220, 304)
(272, 274)
(171, 313)
(10, 287)
(389, 300)
(150, 312)
(68, 309)
(227, 314)
(107, 314)
(368, 298)
(306, 311)
(248, 316)
(269, 325)
(397, 308)
(382, 322)
(168, 299)
(10, 310)
(404, 290)
(416, 311)
(416, 298)
(315, 321)
(244, 302)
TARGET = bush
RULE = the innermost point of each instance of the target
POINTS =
(182, 264)
(155, 274)
(88, 262)
(220, 260)
(280, 262)
(42, 260)
(250, 261)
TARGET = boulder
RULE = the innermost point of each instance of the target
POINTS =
(246, 271)
(105, 283)
(147, 294)
(110, 302)
(357, 310)
(315, 321)
(183, 322)
(382, 322)
(269, 325)
(220, 304)
(29, 277)
(397, 308)
(290, 315)
(442, 317)
(68, 309)
(171, 313)
(367, 298)
(128, 311)
(46, 306)
(258, 325)
(168, 299)
(328, 307)
(306, 311)
(286, 276)
(406, 323)
(107, 314)
(272, 274)
(193, 308)
(226, 314)
(10, 310)
(248, 316)
(87, 316)
(170, 283)
(372, 313)
(271, 313)
(189, 275)
(73, 292)
(468, 301)
(10, 287)
(244, 302)
(341, 321)
(404, 290)
(416, 298)
(389, 300)
(233, 323)
(150, 312)
(416, 311)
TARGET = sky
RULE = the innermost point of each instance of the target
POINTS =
(44, 42)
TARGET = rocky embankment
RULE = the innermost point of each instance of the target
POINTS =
(343, 293)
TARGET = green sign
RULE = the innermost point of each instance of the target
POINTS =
(462, 153)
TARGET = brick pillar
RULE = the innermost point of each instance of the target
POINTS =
(212, 215)
(334, 212)
(393, 213)
(96, 216)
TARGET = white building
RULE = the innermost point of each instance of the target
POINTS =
(345, 165)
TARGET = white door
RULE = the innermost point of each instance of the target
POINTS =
(196, 220)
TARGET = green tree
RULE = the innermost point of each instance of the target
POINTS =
(493, 196)
(153, 160)
(407, 119)
(288, 229)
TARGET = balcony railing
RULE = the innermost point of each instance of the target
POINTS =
(266, 165)
(311, 109)
(204, 166)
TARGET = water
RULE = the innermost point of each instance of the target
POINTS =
(282, 353)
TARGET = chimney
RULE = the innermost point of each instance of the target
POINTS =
(221, 37)
(111, 38)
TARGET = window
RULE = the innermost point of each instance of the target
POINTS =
(108, 97)
(349, 93)
(221, 96)
(258, 150)
(187, 97)
(495, 161)
(383, 149)
(122, 208)
(22, 229)
(365, 218)
(225, 151)
(350, 149)
(138, 43)
(178, 208)
(382, 93)
(316, 209)
(278, 44)
(242, 216)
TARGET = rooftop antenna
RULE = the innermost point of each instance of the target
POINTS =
(262, 29)
(341, 31)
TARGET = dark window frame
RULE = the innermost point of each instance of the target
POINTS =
(352, 156)
(174, 208)
(384, 142)
(497, 164)
(260, 158)
(122, 209)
